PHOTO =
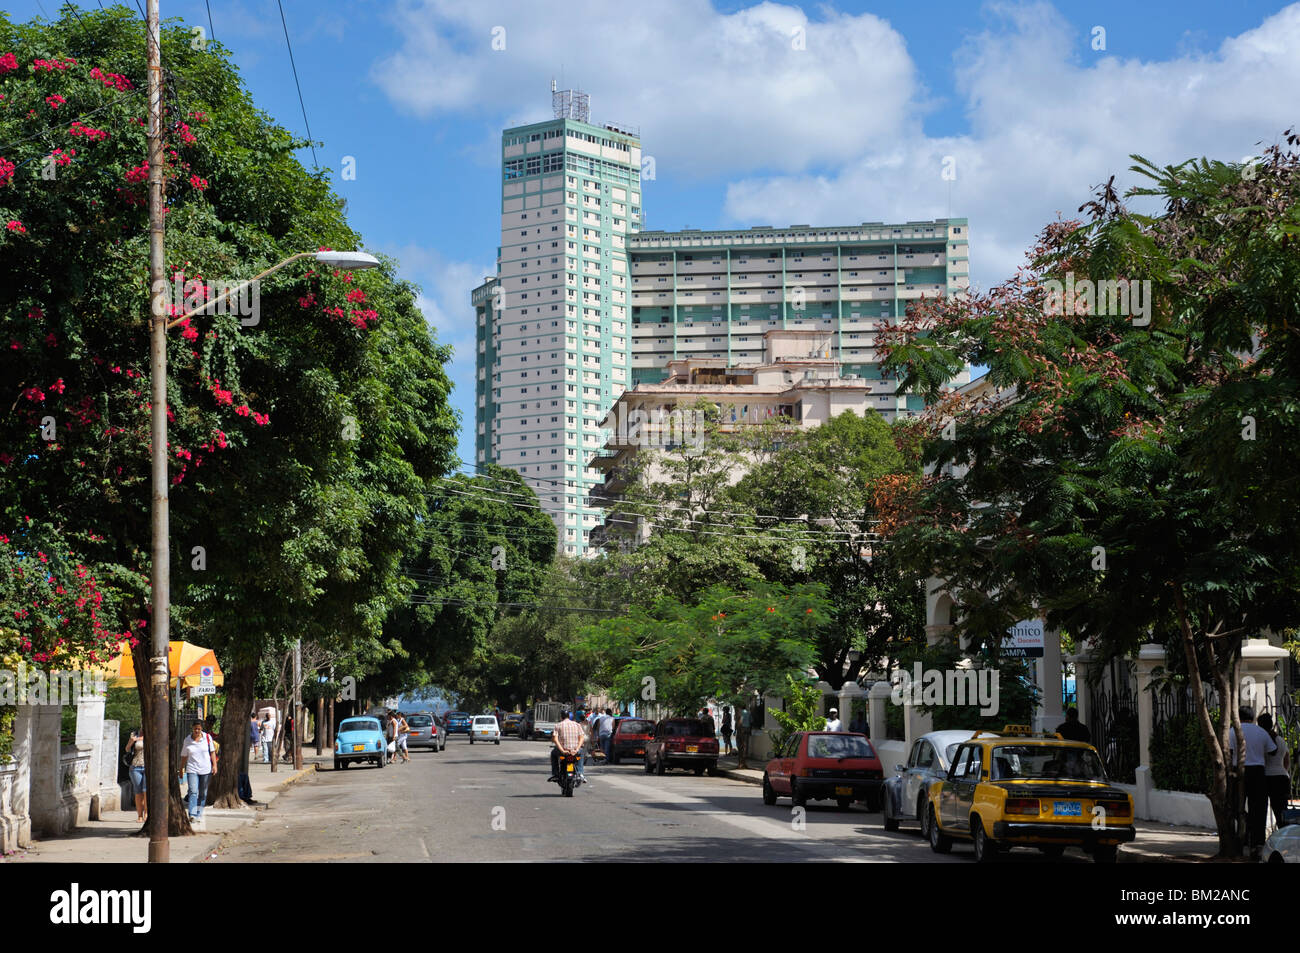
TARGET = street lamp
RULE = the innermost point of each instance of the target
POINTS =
(355, 260)
(156, 735)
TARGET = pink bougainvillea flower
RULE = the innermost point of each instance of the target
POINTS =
(243, 410)
(58, 386)
(8, 63)
(198, 183)
(357, 296)
(54, 100)
(139, 173)
(6, 170)
(16, 226)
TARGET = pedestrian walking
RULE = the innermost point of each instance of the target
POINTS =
(135, 752)
(859, 724)
(254, 736)
(1277, 770)
(199, 754)
(834, 723)
(403, 729)
(268, 737)
(742, 735)
(390, 736)
(605, 731)
(1258, 747)
(726, 729)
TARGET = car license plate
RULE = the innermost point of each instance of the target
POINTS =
(844, 789)
(692, 749)
(358, 747)
(1068, 808)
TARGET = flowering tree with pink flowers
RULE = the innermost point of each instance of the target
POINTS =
(302, 437)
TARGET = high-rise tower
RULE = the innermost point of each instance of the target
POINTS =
(553, 324)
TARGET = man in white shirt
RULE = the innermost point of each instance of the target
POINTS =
(199, 756)
(1259, 746)
(605, 731)
(834, 723)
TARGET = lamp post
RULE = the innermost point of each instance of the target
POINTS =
(157, 734)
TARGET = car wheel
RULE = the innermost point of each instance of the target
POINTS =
(659, 767)
(873, 802)
(381, 761)
(843, 803)
(986, 850)
(711, 770)
(921, 806)
(940, 842)
(613, 759)
(891, 823)
(471, 739)
(336, 764)
(797, 797)
(769, 796)
(1105, 853)
(498, 741)
(1054, 851)
(698, 769)
(649, 768)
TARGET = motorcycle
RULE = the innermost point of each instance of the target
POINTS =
(569, 778)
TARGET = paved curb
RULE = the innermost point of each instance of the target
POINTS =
(739, 775)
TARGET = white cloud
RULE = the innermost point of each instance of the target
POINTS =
(710, 92)
(1049, 119)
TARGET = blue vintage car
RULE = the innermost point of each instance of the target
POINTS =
(360, 739)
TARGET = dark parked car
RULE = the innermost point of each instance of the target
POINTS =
(630, 738)
(458, 722)
(426, 731)
(682, 743)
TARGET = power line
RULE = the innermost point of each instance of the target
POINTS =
(212, 33)
(294, 67)
(670, 506)
(760, 532)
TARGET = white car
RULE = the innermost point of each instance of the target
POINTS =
(484, 728)
(1282, 846)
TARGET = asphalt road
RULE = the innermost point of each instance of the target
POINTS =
(492, 803)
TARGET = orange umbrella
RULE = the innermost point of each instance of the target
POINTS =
(184, 661)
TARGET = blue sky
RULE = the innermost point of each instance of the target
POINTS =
(746, 127)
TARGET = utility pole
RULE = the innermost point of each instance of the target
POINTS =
(297, 705)
(158, 734)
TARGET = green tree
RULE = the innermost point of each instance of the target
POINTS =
(1120, 471)
(303, 440)
(725, 645)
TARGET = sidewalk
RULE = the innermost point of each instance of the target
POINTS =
(1159, 843)
(113, 840)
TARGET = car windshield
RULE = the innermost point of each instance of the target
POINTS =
(420, 721)
(634, 726)
(839, 746)
(688, 729)
(485, 720)
(457, 714)
(1054, 762)
(359, 724)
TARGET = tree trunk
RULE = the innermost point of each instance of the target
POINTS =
(320, 724)
(1220, 791)
(240, 681)
(178, 818)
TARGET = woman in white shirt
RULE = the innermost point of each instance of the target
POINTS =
(1277, 770)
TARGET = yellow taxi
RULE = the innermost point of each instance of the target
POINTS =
(1020, 788)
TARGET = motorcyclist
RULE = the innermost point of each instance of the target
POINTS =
(566, 738)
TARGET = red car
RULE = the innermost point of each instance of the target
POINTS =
(682, 743)
(816, 765)
(630, 738)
